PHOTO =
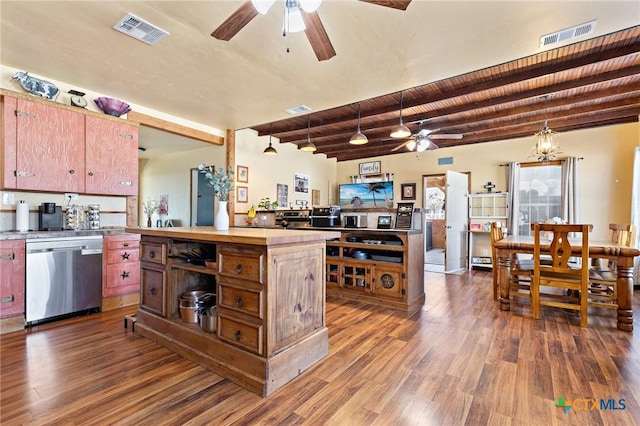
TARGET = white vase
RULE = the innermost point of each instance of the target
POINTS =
(221, 221)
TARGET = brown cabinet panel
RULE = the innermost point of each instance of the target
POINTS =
(154, 284)
(12, 274)
(387, 281)
(153, 252)
(241, 332)
(111, 157)
(242, 300)
(245, 266)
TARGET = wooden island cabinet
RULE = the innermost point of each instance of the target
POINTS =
(270, 291)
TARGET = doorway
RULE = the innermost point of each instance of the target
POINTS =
(446, 221)
(201, 200)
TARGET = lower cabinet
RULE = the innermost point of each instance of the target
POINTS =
(120, 271)
(12, 273)
(270, 299)
(378, 267)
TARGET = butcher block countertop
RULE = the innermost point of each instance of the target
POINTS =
(257, 236)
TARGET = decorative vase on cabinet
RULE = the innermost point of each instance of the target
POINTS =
(221, 221)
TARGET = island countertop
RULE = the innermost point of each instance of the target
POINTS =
(256, 236)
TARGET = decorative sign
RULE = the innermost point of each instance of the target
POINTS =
(370, 168)
(315, 197)
(445, 160)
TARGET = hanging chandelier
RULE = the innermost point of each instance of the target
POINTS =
(545, 148)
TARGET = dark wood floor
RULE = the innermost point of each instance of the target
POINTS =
(459, 361)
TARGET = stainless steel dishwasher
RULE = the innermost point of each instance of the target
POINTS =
(64, 275)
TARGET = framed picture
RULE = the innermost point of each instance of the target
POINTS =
(315, 197)
(242, 175)
(301, 183)
(408, 191)
(242, 194)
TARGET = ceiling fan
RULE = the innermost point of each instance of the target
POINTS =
(423, 140)
(304, 9)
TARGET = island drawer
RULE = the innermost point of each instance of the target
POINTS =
(241, 300)
(154, 285)
(117, 242)
(153, 252)
(127, 255)
(245, 266)
(241, 332)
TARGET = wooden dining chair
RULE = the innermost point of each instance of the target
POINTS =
(520, 270)
(603, 274)
(561, 273)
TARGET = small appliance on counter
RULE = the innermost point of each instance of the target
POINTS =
(355, 220)
(322, 217)
(93, 216)
(50, 217)
(293, 219)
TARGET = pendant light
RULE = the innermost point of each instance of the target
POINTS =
(308, 146)
(400, 131)
(358, 138)
(545, 148)
(270, 150)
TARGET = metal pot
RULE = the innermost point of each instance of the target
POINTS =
(208, 319)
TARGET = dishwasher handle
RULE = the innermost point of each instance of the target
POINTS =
(83, 249)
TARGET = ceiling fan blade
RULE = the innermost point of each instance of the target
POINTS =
(234, 23)
(445, 136)
(402, 145)
(317, 36)
(395, 4)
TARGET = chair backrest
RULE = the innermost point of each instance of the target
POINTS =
(623, 234)
(496, 235)
(560, 247)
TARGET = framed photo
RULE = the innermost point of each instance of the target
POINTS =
(301, 183)
(242, 175)
(408, 191)
(242, 194)
(315, 197)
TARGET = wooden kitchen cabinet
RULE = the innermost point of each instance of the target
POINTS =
(111, 157)
(390, 274)
(53, 147)
(12, 271)
(120, 271)
(270, 297)
(47, 147)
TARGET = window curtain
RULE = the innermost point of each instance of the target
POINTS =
(570, 183)
(635, 211)
(513, 180)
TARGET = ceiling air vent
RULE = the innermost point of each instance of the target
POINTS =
(140, 29)
(298, 109)
(568, 33)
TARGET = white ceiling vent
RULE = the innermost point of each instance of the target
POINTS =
(298, 109)
(140, 29)
(568, 33)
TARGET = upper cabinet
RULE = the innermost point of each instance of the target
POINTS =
(111, 157)
(54, 148)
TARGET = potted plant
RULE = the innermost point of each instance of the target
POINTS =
(222, 184)
(267, 204)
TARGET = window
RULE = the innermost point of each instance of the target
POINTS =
(540, 191)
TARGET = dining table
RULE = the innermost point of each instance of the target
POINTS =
(511, 245)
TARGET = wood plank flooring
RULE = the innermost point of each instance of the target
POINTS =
(459, 361)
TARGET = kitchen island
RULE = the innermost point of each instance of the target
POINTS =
(270, 291)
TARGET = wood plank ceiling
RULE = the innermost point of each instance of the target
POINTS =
(592, 83)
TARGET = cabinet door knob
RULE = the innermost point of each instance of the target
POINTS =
(8, 256)
(239, 302)
(7, 299)
(125, 255)
(153, 291)
(237, 335)
(124, 275)
(152, 254)
(239, 268)
(90, 173)
(72, 171)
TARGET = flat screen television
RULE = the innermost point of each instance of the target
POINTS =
(366, 195)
